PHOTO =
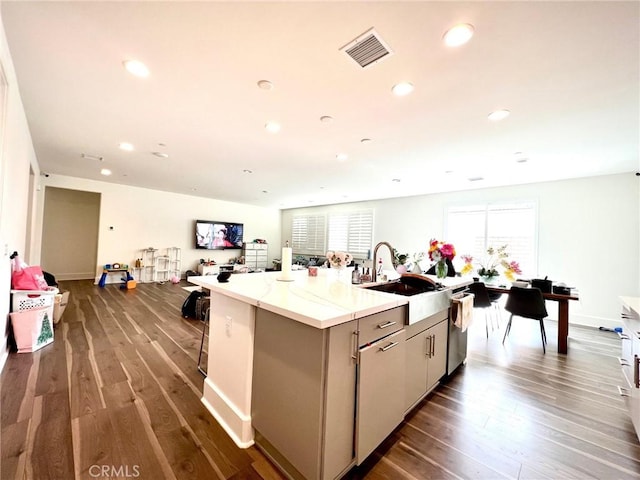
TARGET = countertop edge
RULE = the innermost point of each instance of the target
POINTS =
(258, 293)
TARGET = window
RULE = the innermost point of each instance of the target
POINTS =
(308, 234)
(351, 232)
(472, 229)
(346, 231)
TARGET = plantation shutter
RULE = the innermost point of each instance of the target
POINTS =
(308, 234)
(351, 232)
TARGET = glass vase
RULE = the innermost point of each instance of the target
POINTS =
(441, 269)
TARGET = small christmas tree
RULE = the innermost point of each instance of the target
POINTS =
(45, 333)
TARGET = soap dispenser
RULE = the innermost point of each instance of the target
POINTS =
(355, 275)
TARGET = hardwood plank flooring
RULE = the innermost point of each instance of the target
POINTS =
(119, 389)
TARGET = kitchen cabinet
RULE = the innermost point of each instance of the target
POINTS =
(309, 414)
(303, 398)
(380, 403)
(426, 357)
(630, 358)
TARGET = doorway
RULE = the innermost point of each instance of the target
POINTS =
(70, 233)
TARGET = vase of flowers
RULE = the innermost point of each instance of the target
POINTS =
(492, 265)
(440, 252)
(399, 261)
(339, 260)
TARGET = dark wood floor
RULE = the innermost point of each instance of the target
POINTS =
(117, 395)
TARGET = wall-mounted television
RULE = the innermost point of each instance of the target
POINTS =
(215, 235)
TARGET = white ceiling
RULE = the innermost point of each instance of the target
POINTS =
(567, 71)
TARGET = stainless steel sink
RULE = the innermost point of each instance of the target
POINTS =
(422, 301)
(397, 287)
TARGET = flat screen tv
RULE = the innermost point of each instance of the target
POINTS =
(216, 235)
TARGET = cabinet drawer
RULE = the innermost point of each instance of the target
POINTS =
(381, 324)
(255, 246)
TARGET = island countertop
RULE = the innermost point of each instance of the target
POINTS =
(322, 302)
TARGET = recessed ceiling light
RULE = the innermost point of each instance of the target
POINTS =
(265, 85)
(475, 179)
(265, 191)
(137, 68)
(365, 140)
(397, 180)
(272, 127)
(498, 115)
(160, 154)
(402, 89)
(342, 156)
(105, 171)
(246, 170)
(326, 119)
(458, 35)
(126, 146)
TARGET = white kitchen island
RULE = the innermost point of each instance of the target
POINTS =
(285, 368)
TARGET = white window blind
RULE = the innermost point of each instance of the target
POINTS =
(472, 229)
(308, 234)
(351, 232)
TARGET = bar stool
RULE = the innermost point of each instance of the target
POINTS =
(205, 325)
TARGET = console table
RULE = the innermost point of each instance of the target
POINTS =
(563, 313)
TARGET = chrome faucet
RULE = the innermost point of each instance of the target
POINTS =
(374, 274)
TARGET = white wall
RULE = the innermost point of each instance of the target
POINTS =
(589, 234)
(143, 218)
(16, 158)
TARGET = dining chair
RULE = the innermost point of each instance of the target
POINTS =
(483, 300)
(527, 303)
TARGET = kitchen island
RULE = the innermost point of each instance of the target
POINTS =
(313, 369)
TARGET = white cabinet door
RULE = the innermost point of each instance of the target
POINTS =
(381, 383)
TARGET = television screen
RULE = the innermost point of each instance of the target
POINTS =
(214, 235)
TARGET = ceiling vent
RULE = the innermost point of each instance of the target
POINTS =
(368, 49)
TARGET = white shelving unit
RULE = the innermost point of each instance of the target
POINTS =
(175, 258)
(147, 269)
(161, 271)
(156, 267)
(255, 255)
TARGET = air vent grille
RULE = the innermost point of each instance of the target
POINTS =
(367, 49)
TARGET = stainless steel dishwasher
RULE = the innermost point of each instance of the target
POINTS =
(457, 339)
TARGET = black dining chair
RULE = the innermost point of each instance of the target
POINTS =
(527, 303)
(483, 300)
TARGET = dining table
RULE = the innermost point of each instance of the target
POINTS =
(563, 311)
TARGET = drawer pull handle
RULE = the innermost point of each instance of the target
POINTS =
(354, 347)
(636, 371)
(623, 392)
(389, 347)
(385, 325)
(624, 362)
